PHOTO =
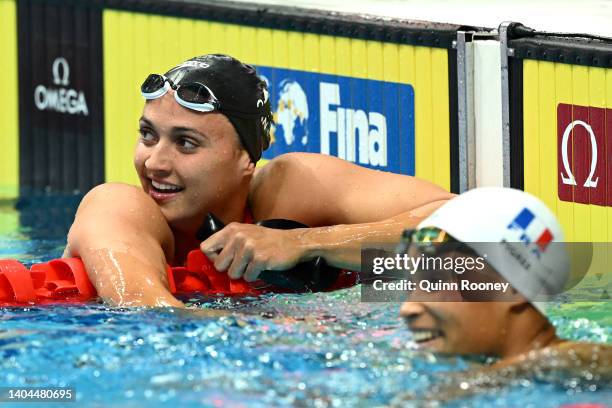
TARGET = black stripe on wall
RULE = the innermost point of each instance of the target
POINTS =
(453, 115)
(61, 116)
(517, 164)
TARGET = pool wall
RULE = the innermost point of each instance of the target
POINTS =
(334, 86)
(561, 132)
(9, 109)
(460, 106)
(378, 93)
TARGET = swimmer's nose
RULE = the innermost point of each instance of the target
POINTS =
(159, 159)
(411, 310)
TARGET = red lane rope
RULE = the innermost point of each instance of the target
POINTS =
(66, 281)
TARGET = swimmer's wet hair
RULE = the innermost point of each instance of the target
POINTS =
(242, 93)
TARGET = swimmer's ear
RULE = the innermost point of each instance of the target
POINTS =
(515, 301)
(246, 165)
(519, 304)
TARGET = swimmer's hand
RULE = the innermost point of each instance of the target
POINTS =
(245, 250)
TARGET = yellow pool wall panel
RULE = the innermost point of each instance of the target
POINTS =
(545, 86)
(9, 107)
(137, 44)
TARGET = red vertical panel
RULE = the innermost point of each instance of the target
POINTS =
(581, 151)
(597, 117)
(587, 149)
(564, 118)
(608, 162)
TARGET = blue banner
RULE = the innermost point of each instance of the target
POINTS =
(367, 122)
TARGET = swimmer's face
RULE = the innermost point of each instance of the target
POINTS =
(465, 328)
(190, 163)
(445, 322)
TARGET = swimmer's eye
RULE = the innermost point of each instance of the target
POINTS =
(186, 143)
(146, 135)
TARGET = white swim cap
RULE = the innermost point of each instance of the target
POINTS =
(539, 266)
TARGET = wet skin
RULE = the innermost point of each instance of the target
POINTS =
(451, 322)
(467, 322)
(192, 152)
(519, 335)
(191, 163)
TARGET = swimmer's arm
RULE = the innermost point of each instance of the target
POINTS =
(341, 245)
(245, 250)
(570, 357)
(360, 206)
(124, 241)
(350, 207)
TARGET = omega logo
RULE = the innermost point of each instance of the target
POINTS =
(60, 100)
(570, 179)
(64, 78)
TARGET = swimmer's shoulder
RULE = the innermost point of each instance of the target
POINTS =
(318, 190)
(298, 166)
(112, 210)
(284, 187)
(563, 355)
(585, 353)
(295, 161)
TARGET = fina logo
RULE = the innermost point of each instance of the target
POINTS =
(349, 125)
(291, 114)
(60, 100)
(361, 136)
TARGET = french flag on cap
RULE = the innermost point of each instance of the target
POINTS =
(532, 228)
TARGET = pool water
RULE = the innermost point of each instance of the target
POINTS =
(321, 350)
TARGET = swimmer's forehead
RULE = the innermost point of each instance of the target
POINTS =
(170, 128)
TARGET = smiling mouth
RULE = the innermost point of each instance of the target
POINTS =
(421, 336)
(165, 188)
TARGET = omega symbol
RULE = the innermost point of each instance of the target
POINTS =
(571, 180)
(62, 79)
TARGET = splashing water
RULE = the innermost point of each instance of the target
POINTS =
(322, 350)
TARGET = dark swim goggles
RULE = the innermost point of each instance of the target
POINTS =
(432, 241)
(192, 95)
(435, 242)
(424, 238)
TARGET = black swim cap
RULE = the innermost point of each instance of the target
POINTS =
(242, 94)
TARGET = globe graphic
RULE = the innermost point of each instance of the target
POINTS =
(292, 113)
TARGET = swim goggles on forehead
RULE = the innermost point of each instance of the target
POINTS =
(192, 95)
